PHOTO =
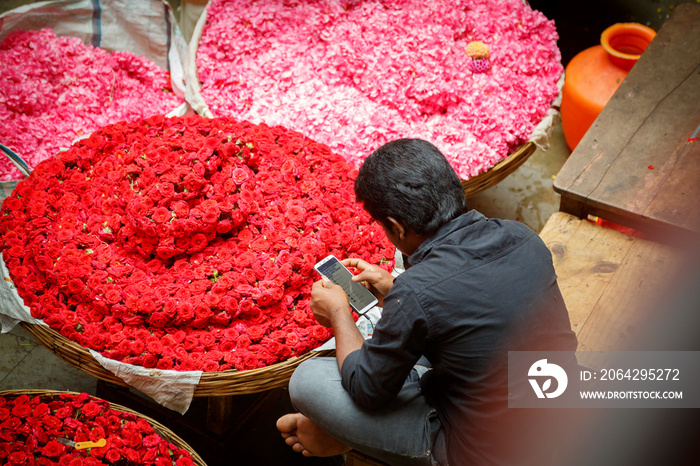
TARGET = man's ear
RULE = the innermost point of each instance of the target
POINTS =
(397, 228)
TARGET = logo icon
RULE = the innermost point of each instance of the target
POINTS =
(542, 369)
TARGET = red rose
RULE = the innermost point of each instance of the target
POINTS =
(160, 461)
(113, 295)
(53, 448)
(159, 319)
(22, 410)
(20, 458)
(19, 271)
(149, 361)
(255, 332)
(75, 285)
(185, 312)
(155, 347)
(210, 366)
(198, 242)
(165, 363)
(240, 175)
(151, 441)
(137, 347)
(180, 208)
(161, 215)
(147, 305)
(113, 455)
(91, 410)
(61, 413)
(11, 423)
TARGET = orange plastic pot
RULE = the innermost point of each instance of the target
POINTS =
(593, 76)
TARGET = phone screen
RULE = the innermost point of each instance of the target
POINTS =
(360, 297)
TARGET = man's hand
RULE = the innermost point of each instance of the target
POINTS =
(328, 299)
(374, 278)
(331, 308)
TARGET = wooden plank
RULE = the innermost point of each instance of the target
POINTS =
(664, 77)
(628, 184)
(677, 203)
(627, 303)
(355, 458)
(608, 279)
(585, 258)
(669, 60)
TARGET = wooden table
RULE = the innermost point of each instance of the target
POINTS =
(638, 165)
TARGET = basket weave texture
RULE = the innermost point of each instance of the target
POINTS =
(498, 172)
(158, 427)
(223, 383)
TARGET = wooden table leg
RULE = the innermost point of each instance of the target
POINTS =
(573, 207)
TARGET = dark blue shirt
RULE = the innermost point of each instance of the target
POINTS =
(475, 290)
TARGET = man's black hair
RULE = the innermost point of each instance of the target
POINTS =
(411, 181)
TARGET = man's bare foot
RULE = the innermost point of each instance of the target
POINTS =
(305, 437)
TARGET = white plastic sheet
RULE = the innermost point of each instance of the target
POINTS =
(143, 27)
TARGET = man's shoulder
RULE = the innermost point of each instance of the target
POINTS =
(479, 238)
(482, 249)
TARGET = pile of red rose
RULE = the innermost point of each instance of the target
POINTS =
(30, 427)
(56, 89)
(185, 243)
(357, 74)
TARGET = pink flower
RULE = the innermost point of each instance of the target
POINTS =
(359, 76)
(56, 89)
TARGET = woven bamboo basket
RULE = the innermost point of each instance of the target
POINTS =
(498, 172)
(224, 383)
(472, 186)
(160, 429)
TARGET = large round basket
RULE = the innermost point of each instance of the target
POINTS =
(223, 383)
(167, 434)
(472, 186)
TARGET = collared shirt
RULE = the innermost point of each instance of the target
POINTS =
(475, 290)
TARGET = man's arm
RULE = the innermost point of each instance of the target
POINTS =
(331, 308)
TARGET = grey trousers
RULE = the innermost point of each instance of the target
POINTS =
(405, 432)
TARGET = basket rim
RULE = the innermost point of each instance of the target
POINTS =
(159, 428)
(223, 383)
(499, 171)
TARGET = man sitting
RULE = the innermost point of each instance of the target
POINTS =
(430, 386)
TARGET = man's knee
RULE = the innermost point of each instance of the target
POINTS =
(313, 381)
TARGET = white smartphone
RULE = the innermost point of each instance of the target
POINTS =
(361, 299)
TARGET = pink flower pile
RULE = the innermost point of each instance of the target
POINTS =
(56, 89)
(355, 74)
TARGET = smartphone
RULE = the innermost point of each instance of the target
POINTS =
(361, 299)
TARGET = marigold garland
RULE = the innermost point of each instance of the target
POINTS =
(185, 243)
